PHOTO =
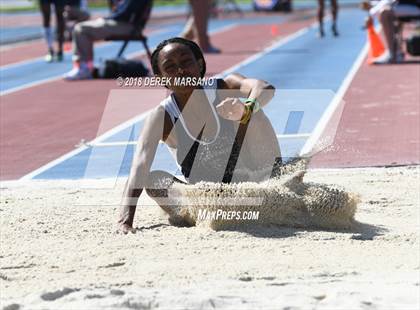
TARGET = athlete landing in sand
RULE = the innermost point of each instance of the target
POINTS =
(205, 134)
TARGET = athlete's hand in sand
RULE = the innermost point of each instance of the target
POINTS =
(125, 229)
(231, 109)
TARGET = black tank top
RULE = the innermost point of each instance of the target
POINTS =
(204, 160)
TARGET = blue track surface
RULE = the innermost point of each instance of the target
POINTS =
(306, 71)
(19, 34)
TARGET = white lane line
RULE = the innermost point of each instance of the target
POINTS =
(84, 146)
(294, 136)
(329, 111)
(38, 59)
(125, 143)
(29, 85)
(54, 163)
(143, 115)
(10, 46)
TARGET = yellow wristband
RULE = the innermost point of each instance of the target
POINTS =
(255, 105)
(247, 114)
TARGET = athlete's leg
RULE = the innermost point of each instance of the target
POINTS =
(260, 149)
(334, 13)
(45, 7)
(321, 17)
(59, 14)
(159, 182)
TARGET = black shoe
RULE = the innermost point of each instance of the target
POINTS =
(334, 30)
(321, 33)
(59, 56)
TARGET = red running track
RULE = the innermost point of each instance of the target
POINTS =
(380, 124)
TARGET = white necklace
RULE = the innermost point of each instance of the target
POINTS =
(186, 128)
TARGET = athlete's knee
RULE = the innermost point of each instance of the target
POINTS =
(158, 183)
(259, 120)
(82, 28)
(156, 192)
(77, 28)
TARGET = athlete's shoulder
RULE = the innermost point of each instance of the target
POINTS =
(157, 113)
(233, 81)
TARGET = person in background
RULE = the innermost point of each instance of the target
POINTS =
(45, 7)
(76, 10)
(388, 12)
(218, 6)
(112, 4)
(334, 13)
(196, 26)
(121, 22)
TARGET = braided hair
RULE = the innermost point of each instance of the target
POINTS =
(198, 54)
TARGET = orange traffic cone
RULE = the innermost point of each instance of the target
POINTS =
(274, 30)
(376, 47)
(67, 46)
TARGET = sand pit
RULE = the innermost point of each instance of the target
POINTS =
(59, 250)
(286, 201)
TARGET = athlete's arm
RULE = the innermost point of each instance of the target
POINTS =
(147, 144)
(259, 90)
(251, 88)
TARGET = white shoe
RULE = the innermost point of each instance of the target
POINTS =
(386, 58)
(80, 73)
(50, 56)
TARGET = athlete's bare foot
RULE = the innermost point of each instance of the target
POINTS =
(125, 229)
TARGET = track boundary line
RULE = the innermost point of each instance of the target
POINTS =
(125, 143)
(329, 111)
